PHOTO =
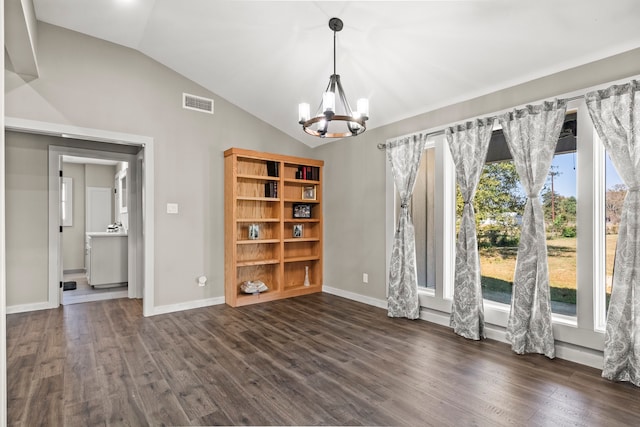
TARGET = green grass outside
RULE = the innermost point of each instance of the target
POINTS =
(566, 295)
(498, 264)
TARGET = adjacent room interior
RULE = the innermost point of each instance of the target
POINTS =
(449, 239)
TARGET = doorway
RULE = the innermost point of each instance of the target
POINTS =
(142, 163)
(95, 228)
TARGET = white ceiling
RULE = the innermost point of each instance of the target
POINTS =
(406, 57)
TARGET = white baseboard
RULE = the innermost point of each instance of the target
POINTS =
(355, 297)
(22, 308)
(170, 308)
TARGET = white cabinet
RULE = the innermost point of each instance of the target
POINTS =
(106, 259)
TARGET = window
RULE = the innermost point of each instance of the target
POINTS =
(499, 205)
(580, 199)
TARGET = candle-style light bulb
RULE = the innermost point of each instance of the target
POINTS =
(304, 112)
(363, 108)
(328, 101)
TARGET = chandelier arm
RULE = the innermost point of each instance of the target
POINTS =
(348, 111)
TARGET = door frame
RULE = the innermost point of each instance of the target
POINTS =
(144, 250)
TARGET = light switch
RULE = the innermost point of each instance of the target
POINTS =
(172, 208)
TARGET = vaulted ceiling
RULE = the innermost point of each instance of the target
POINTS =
(406, 57)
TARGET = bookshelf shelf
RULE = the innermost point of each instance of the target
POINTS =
(275, 257)
(258, 177)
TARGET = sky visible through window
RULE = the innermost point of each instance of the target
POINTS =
(565, 183)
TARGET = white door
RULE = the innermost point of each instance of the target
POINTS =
(98, 209)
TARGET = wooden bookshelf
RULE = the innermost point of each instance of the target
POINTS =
(262, 191)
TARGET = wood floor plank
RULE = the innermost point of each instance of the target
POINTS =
(311, 360)
(84, 412)
(124, 409)
(46, 402)
(81, 375)
(161, 405)
(140, 363)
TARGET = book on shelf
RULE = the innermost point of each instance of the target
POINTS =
(271, 189)
(311, 173)
(273, 168)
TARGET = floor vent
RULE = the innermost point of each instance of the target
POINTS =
(198, 103)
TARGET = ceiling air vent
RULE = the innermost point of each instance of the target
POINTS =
(198, 103)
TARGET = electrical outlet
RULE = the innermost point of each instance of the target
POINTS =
(365, 278)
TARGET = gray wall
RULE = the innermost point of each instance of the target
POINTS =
(73, 236)
(354, 197)
(84, 175)
(91, 83)
(27, 204)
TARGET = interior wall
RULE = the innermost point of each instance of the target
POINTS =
(92, 83)
(27, 201)
(355, 171)
(100, 176)
(73, 236)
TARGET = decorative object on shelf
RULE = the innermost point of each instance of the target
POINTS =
(253, 287)
(306, 276)
(254, 232)
(297, 230)
(334, 110)
(301, 210)
(309, 192)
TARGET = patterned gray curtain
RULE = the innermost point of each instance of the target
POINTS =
(615, 113)
(404, 155)
(532, 135)
(468, 144)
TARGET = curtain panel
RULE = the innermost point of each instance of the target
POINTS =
(468, 143)
(532, 135)
(404, 156)
(615, 113)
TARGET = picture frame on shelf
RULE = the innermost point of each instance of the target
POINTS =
(254, 232)
(297, 230)
(309, 192)
(301, 210)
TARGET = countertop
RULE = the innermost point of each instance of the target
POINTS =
(106, 234)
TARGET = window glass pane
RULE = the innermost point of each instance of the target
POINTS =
(560, 209)
(422, 208)
(499, 204)
(615, 193)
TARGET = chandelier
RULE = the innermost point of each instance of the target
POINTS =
(334, 117)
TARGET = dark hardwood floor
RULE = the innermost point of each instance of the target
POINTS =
(316, 359)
